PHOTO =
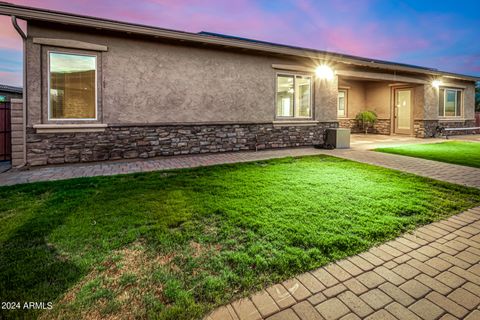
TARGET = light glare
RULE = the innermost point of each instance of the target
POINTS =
(324, 72)
(436, 83)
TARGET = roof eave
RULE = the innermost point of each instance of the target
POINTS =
(28, 13)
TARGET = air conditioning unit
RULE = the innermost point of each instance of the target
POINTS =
(339, 138)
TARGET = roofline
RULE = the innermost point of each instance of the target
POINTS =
(12, 89)
(30, 13)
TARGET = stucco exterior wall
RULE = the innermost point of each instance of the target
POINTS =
(418, 102)
(325, 100)
(430, 103)
(377, 98)
(469, 102)
(147, 81)
(431, 99)
(355, 98)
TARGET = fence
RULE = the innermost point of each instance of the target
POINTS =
(5, 132)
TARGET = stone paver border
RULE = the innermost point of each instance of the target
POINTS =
(432, 169)
(430, 273)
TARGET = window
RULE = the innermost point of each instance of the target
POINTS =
(294, 96)
(342, 103)
(450, 103)
(3, 98)
(72, 87)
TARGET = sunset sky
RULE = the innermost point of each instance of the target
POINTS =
(439, 34)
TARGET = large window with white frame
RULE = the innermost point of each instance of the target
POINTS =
(72, 86)
(342, 103)
(450, 102)
(294, 96)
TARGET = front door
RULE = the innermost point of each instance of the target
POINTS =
(403, 111)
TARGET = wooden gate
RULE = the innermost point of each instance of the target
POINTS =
(5, 132)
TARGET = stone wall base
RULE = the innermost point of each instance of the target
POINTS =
(428, 128)
(127, 142)
(382, 126)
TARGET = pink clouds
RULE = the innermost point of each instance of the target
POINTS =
(369, 28)
(11, 78)
(9, 38)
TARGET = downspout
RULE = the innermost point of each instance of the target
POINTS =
(24, 95)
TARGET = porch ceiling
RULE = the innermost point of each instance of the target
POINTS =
(373, 76)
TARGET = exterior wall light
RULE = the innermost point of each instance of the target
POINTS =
(436, 83)
(324, 72)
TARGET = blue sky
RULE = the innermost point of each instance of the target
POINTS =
(438, 34)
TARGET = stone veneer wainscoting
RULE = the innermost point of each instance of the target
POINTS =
(382, 126)
(428, 128)
(147, 141)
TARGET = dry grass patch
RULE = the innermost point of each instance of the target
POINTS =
(116, 288)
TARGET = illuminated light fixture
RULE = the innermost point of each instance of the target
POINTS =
(436, 83)
(324, 72)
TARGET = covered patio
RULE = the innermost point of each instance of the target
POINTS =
(397, 100)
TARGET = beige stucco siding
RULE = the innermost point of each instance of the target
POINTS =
(469, 102)
(431, 98)
(355, 98)
(419, 101)
(377, 98)
(165, 83)
(147, 81)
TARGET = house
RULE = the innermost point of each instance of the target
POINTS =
(9, 92)
(99, 89)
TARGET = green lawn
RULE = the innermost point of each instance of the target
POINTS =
(457, 152)
(175, 244)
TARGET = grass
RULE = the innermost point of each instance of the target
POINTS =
(173, 245)
(457, 152)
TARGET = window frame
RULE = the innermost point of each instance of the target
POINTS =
(49, 118)
(346, 103)
(312, 89)
(462, 97)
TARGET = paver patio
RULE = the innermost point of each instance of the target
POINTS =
(431, 273)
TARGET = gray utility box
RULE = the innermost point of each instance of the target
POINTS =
(338, 138)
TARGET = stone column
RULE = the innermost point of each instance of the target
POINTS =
(18, 132)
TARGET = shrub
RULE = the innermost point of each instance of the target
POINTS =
(366, 119)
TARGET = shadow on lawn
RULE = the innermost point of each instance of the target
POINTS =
(31, 270)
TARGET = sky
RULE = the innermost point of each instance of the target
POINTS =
(438, 34)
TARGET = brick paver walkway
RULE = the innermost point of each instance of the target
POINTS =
(432, 273)
(453, 173)
(146, 165)
(427, 168)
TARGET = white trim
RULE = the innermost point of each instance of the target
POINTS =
(312, 88)
(294, 123)
(462, 111)
(345, 103)
(452, 119)
(48, 87)
(56, 128)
